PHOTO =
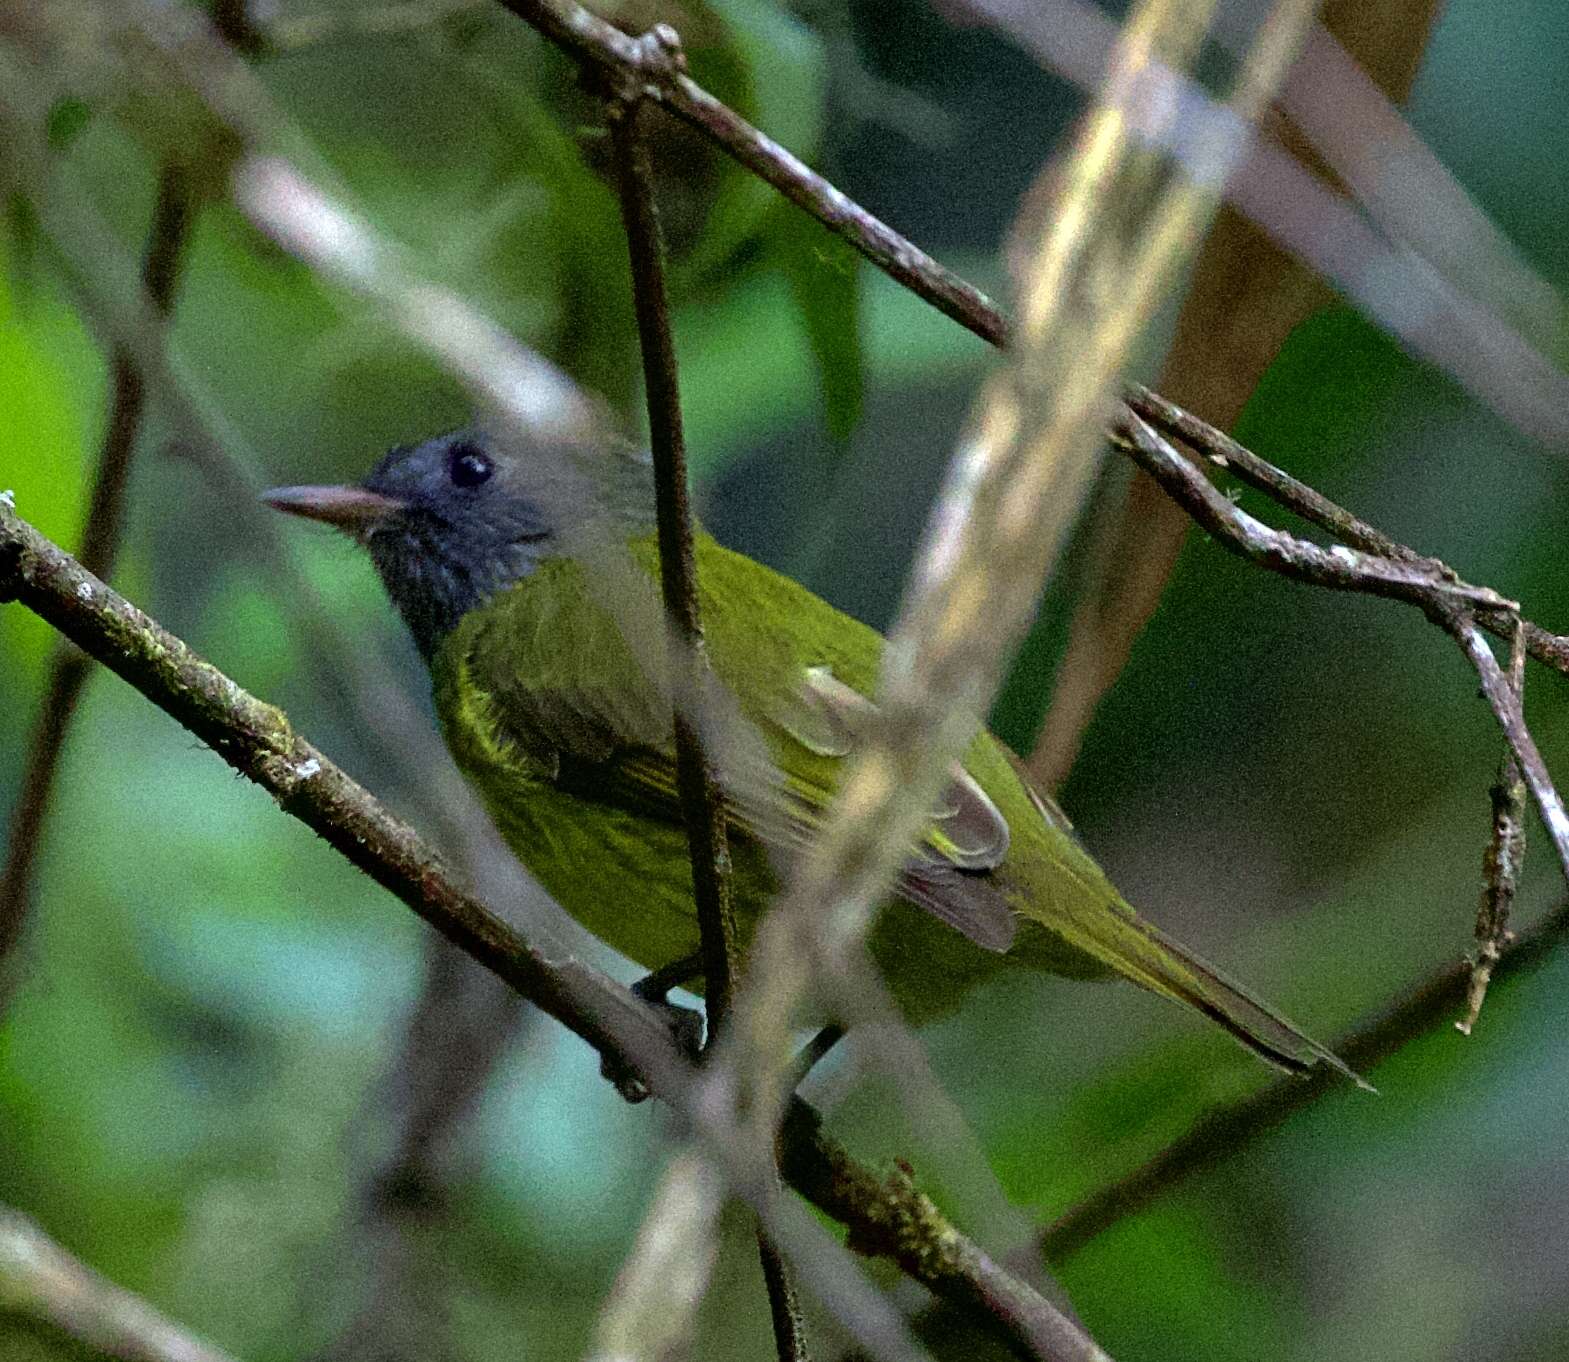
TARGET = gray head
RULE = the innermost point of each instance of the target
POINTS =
(454, 520)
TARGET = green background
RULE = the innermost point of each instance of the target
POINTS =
(210, 1002)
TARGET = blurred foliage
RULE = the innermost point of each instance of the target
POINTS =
(1292, 781)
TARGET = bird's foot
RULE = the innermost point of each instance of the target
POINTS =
(685, 1023)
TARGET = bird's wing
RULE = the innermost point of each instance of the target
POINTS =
(606, 741)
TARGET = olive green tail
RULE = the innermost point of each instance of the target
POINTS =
(1186, 978)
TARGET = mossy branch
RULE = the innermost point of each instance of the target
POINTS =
(258, 741)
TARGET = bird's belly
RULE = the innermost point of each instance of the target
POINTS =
(625, 877)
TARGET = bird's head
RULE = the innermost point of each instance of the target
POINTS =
(451, 521)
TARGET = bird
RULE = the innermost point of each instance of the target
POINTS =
(527, 573)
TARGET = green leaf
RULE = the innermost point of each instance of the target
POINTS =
(66, 120)
(51, 391)
(822, 271)
(773, 70)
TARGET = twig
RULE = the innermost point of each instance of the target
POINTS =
(166, 238)
(257, 740)
(1224, 1131)
(1523, 384)
(1419, 582)
(1505, 704)
(1445, 599)
(1317, 509)
(702, 805)
(1502, 861)
(40, 1281)
(1225, 452)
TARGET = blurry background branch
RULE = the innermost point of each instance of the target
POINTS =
(1226, 1131)
(41, 1282)
(166, 238)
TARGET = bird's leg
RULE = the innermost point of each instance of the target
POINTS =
(686, 1026)
(685, 1023)
(654, 986)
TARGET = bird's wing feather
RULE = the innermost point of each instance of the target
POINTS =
(603, 741)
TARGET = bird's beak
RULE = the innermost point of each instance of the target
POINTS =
(354, 509)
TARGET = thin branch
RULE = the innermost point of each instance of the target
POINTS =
(1314, 507)
(1225, 452)
(1419, 582)
(166, 238)
(1446, 600)
(1226, 1130)
(784, 1305)
(1502, 862)
(40, 1281)
(1505, 704)
(702, 806)
(257, 740)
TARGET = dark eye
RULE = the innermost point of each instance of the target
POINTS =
(468, 467)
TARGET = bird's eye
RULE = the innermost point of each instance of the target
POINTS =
(468, 467)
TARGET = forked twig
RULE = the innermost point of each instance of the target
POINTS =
(1502, 862)
(1449, 602)
(1435, 588)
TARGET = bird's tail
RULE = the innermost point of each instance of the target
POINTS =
(1175, 972)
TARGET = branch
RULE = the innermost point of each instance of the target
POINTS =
(905, 1226)
(1505, 703)
(1314, 507)
(257, 740)
(166, 238)
(1227, 1129)
(40, 1281)
(701, 804)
